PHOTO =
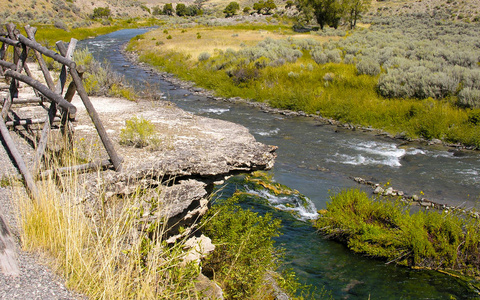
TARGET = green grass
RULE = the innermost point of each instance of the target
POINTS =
(49, 34)
(386, 230)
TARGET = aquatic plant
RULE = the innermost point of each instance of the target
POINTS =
(389, 231)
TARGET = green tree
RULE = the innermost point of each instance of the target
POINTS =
(156, 11)
(326, 12)
(269, 6)
(231, 9)
(258, 6)
(101, 12)
(181, 10)
(168, 9)
(288, 4)
(353, 10)
(192, 10)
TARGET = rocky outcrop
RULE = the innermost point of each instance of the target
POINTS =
(176, 175)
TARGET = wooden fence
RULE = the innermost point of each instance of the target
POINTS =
(60, 110)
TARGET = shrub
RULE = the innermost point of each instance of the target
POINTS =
(59, 24)
(368, 66)
(244, 248)
(101, 12)
(438, 240)
(468, 97)
(319, 56)
(139, 133)
(244, 75)
(203, 56)
(334, 56)
(98, 79)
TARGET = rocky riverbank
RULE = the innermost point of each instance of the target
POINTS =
(193, 154)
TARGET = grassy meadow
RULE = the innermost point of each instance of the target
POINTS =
(347, 78)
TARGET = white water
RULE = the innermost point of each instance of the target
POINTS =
(291, 203)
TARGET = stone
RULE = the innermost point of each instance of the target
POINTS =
(177, 175)
(378, 190)
(388, 191)
(198, 248)
(208, 289)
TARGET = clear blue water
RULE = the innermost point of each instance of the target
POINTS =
(317, 160)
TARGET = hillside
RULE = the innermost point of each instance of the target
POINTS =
(466, 10)
(76, 13)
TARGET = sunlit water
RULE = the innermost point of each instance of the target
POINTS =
(317, 160)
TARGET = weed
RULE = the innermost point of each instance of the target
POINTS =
(139, 133)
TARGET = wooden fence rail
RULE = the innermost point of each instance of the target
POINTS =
(50, 93)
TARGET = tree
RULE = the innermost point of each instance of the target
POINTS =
(156, 11)
(289, 4)
(268, 6)
(353, 10)
(231, 9)
(168, 9)
(181, 10)
(326, 12)
(258, 6)
(101, 12)
(192, 10)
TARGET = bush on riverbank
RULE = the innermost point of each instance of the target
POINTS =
(386, 230)
(244, 248)
(100, 80)
(435, 103)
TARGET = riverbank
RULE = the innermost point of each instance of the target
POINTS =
(191, 86)
(301, 74)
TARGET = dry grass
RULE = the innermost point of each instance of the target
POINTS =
(213, 40)
(107, 257)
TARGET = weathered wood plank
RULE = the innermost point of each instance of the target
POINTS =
(43, 66)
(8, 261)
(44, 90)
(29, 121)
(42, 144)
(107, 143)
(92, 166)
(47, 52)
(31, 186)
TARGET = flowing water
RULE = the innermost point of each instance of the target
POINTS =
(317, 160)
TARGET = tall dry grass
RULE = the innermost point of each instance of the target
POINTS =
(109, 257)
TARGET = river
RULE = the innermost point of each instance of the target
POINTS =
(317, 160)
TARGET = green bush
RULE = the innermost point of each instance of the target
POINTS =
(382, 229)
(101, 12)
(244, 248)
(139, 133)
(101, 80)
